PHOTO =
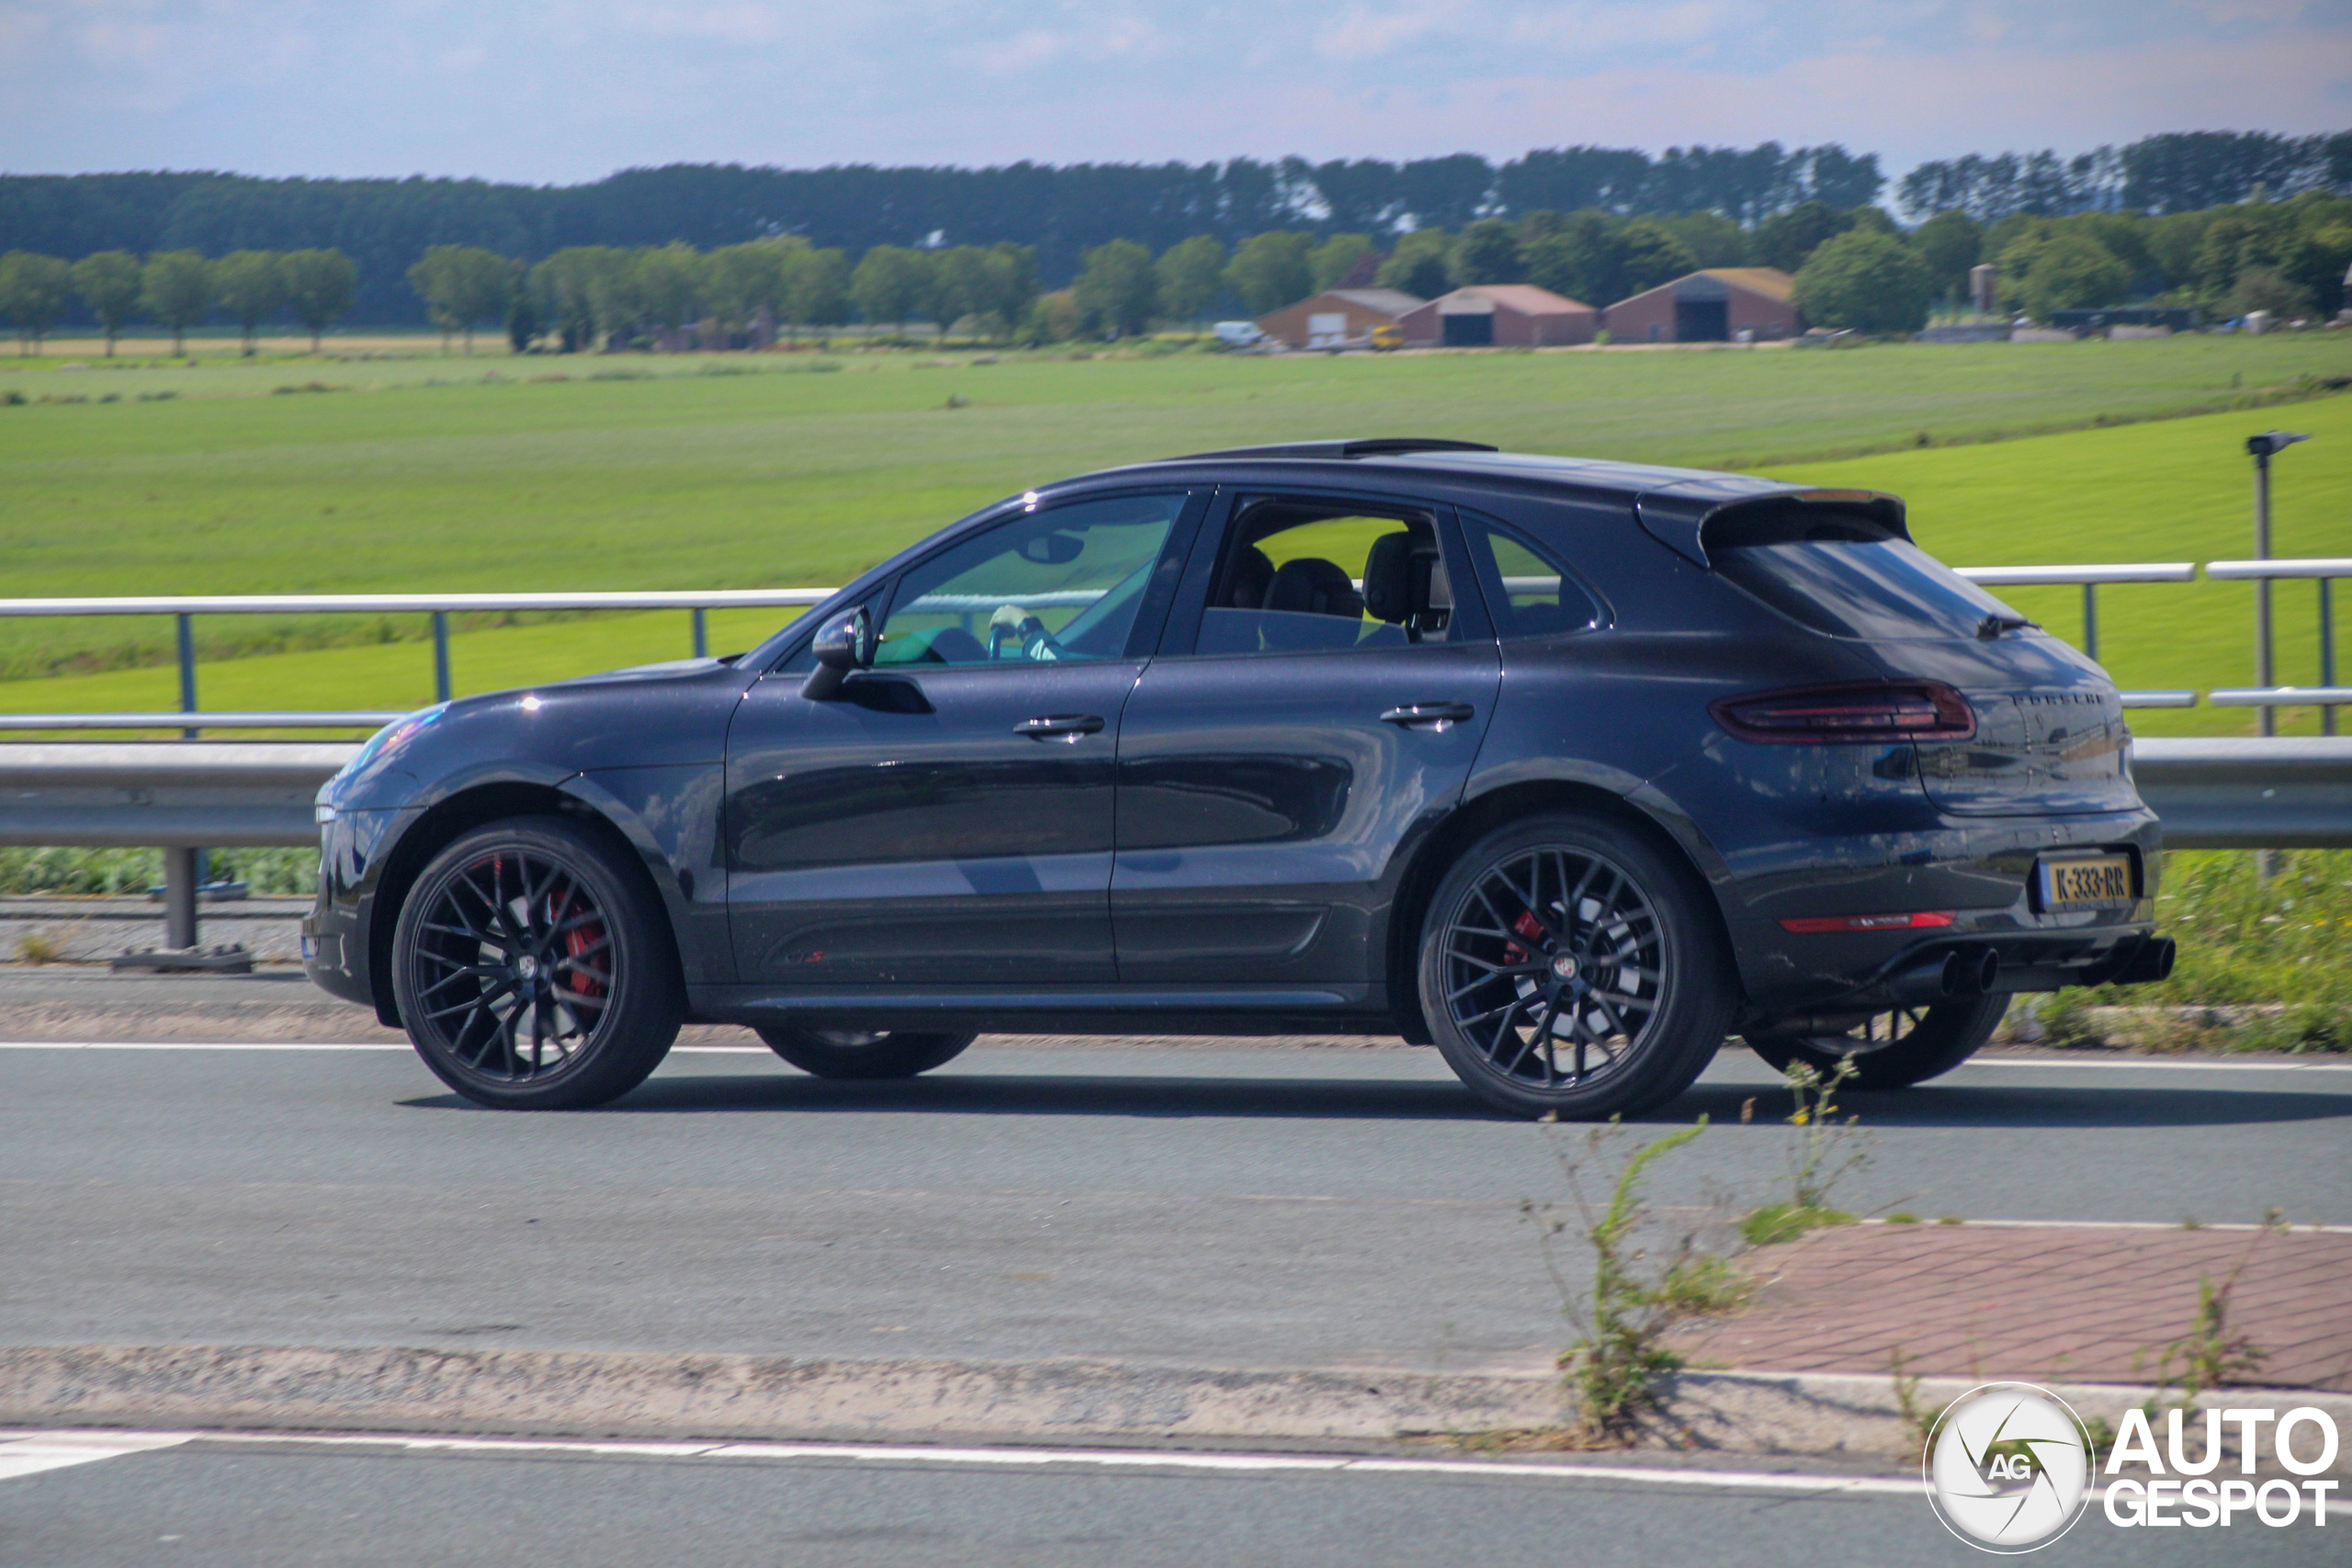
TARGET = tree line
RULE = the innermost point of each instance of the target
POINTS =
(1854, 267)
(2175, 171)
(175, 291)
(1062, 213)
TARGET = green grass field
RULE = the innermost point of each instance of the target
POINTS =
(743, 471)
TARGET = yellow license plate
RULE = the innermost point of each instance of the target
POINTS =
(2088, 882)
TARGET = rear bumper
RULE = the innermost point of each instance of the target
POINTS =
(1975, 870)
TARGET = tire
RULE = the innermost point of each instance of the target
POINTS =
(1606, 949)
(533, 907)
(863, 1053)
(1927, 1042)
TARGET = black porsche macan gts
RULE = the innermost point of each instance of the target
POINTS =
(1571, 768)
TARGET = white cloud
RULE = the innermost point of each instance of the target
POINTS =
(1365, 35)
(1121, 38)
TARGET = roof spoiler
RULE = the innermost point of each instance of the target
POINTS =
(1378, 446)
(1680, 523)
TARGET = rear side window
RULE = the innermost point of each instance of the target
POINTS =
(1849, 576)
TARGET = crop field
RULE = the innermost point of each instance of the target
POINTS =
(294, 474)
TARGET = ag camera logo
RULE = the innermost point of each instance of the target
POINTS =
(2009, 1467)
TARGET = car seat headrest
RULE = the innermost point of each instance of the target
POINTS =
(1245, 584)
(1388, 579)
(1313, 586)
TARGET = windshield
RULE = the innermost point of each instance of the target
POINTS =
(1849, 576)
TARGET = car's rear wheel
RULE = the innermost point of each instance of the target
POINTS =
(863, 1053)
(533, 973)
(1894, 1049)
(1569, 967)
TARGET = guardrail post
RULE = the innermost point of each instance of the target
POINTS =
(183, 869)
(186, 629)
(2260, 448)
(2326, 651)
(702, 633)
(179, 896)
(440, 656)
(2263, 675)
(2090, 621)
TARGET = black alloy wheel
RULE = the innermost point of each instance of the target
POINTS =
(1569, 967)
(863, 1053)
(1894, 1049)
(531, 972)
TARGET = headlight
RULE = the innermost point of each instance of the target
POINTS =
(387, 738)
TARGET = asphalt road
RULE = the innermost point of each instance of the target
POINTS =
(1244, 1208)
(259, 1504)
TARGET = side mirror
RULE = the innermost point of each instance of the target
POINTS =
(841, 647)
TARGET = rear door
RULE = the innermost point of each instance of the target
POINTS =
(1320, 693)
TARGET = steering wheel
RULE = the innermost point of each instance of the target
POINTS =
(1036, 642)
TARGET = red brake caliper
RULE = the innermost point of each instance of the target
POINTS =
(1528, 926)
(576, 941)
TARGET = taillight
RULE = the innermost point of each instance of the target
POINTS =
(1908, 710)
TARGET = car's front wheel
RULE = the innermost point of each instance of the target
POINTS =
(533, 971)
(1894, 1049)
(863, 1053)
(1569, 967)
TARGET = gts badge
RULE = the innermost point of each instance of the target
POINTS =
(814, 955)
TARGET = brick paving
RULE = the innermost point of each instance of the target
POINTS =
(2092, 1303)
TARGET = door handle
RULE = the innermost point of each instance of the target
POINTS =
(1440, 717)
(1062, 726)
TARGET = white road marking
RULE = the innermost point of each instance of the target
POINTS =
(2093, 1066)
(2165, 1067)
(288, 1045)
(2314, 1229)
(104, 1445)
(31, 1454)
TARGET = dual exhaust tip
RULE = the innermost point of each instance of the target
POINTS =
(1941, 976)
(1947, 974)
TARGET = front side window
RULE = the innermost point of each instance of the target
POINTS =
(1058, 584)
(1300, 577)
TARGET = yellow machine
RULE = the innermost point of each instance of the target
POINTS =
(1384, 338)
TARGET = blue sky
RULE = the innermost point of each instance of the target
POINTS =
(567, 90)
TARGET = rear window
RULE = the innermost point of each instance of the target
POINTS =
(1848, 575)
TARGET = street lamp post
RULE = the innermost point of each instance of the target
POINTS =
(2261, 447)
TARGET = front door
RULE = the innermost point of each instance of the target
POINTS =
(1320, 694)
(948, 819)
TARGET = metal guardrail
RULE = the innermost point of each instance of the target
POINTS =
(184, 608)
(2222, 795)
(354, 719)
(2326, 695)
(2270, 793)
(222, 794)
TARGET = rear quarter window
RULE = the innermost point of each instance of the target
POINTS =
(1848, 575)
(1531, 593)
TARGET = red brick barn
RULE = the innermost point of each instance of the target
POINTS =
(1501, 315)
(1337, 316)
(1712, 306)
